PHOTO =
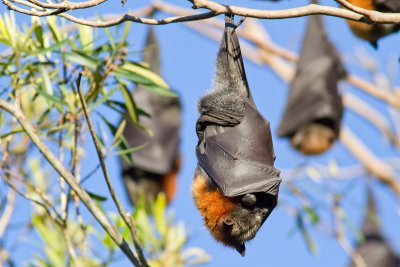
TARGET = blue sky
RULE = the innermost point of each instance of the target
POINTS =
(188, 66)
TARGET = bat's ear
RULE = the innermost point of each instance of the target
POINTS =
(228, 221)
(249, 200)
(241, 249)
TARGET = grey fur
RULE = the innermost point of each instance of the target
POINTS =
(229, 91)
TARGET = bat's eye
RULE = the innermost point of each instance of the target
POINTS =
(249, 200)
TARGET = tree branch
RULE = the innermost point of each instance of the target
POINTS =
(352, 12)
(373, 164)
(16, 112)
(8, 211)
(125, 215)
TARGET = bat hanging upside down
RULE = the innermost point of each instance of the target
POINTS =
(235, 186)
(314, 108)
(154, 168)
(373, 32)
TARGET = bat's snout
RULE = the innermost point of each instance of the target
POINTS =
(241, 249)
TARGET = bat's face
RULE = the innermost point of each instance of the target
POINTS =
(313, 139)
(140, 183)
(246, 218)
(232, 221)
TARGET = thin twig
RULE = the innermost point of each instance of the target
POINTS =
(54, 216)
(371, 89)
(125, 215)
(63, 194)
(373, 116)
(8, 211)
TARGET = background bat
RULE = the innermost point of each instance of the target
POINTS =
(374, 249)
(314, 108)
(156, 166)
(235, 186)
(373, 32)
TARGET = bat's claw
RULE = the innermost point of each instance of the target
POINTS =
(241, 249)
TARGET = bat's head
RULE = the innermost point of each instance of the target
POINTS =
(144, 185)
(231, 220)
(313, 139)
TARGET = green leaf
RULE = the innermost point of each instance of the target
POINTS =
(119, 132)
(11, 133)
(82, 60)
(39, 34)
(52, 24)
(96, 196)
(52, 99)
(86, 38)
(151, 76)
(158, 212)
(44, 116)
(47, 85)
(111, 39)
(58, 128)
(132, 149)
(161, 91)
(104, 98)
(314, 218)
(130, 104)
(306, 235)
(130, 76)
(126, 32)
(123, 151)
(45, 50)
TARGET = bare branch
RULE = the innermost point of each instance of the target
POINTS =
(69, 5)
(311, 9)
(372, 163)
(8, 211)
(369, 88)
(53, 215)
(215, 9)
(371, 16)
(371, 115)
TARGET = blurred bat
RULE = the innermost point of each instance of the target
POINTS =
(156, 166)
(314, 107)
(235, 186)
(374, 249)
(373, 32)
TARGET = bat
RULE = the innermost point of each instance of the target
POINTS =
(155, 167)
(235, 186)
(373, 32)
(374, 249)
(314, 108)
